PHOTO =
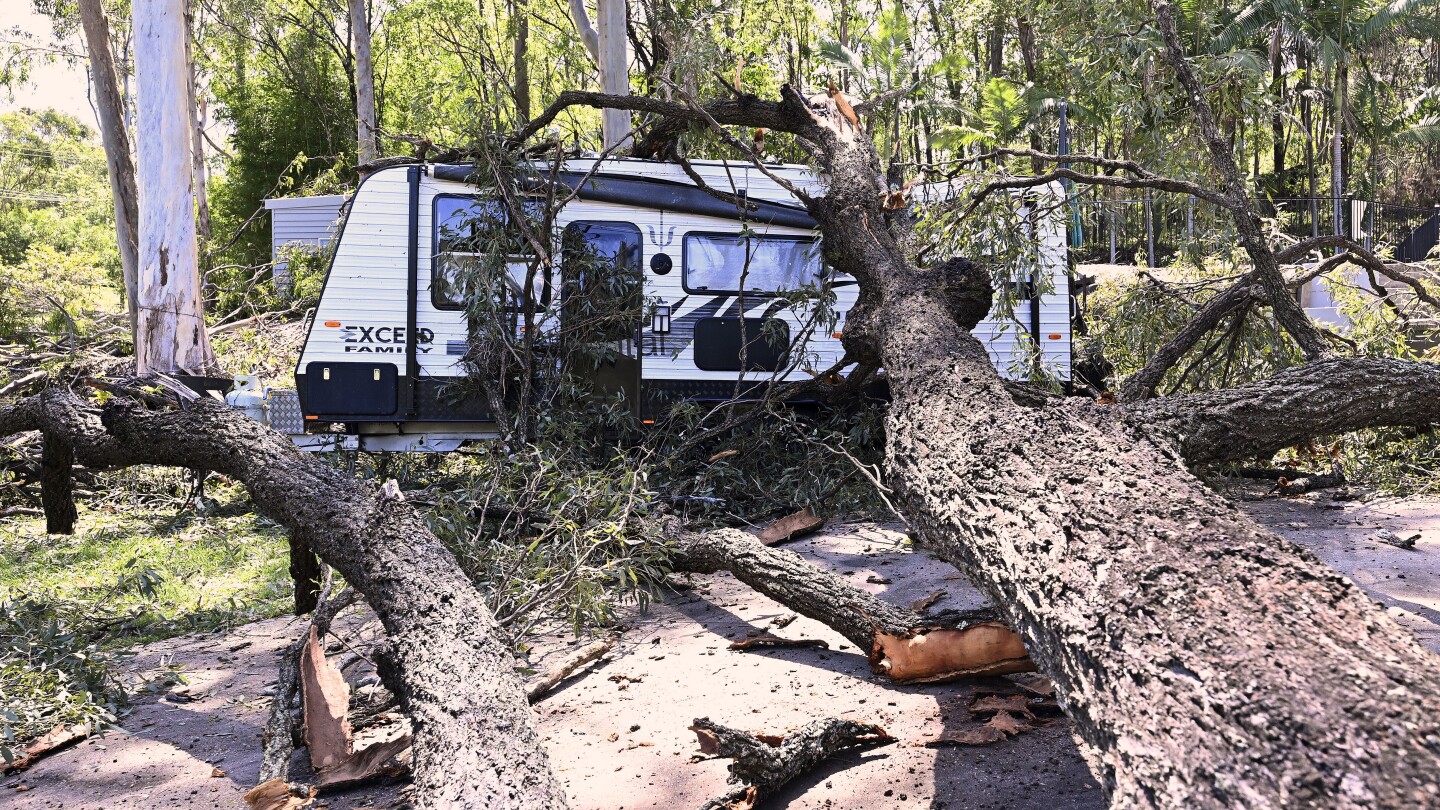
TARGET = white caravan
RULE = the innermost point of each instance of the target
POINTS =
(387, 340)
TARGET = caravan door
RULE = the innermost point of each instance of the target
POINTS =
(602, 305)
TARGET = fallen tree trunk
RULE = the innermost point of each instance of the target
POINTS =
(1203, 661)
(900, 643)
(475, 742)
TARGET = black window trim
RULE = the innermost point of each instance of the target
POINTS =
(446, 306)
(685, 263)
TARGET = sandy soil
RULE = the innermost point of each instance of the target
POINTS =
(617, 734)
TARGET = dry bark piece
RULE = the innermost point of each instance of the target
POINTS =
(1000, 727)
(1391, 538)
(941, 654)
(367, 763)
(760, 767)
(764, 642)
(925, 603)
(326, 698)
(792, 526)
(56, 739)
(542, 686)
(277, 794)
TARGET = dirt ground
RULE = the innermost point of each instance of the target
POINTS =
(617, 733)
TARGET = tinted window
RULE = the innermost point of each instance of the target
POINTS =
(602, 277)
(467, 229)
(719, 263)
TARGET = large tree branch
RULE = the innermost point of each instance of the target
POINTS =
(1320, 398)
(743, 111)
(1247, 222)
(475, 741)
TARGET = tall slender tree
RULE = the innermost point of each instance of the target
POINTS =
(170, 325)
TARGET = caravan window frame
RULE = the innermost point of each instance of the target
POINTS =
(435, 252)
(814, 241)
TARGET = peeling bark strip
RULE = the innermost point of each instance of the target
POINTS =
(903, 645)
(1204, 661)
(762, 765)
(475, 742)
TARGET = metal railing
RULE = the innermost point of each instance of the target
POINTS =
(1155, 228)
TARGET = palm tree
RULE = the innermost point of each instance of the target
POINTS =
(1336, 36)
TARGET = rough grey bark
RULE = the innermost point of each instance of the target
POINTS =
(110, 109)
(1322, 398)
(1204, 661)
(762, 768)
(475, 742)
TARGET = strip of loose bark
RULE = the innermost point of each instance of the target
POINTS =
(792, 526)
(475, 738)
(773, 642)
(56, 739)
(277, 794)
(325, 697)
(280, 726)
(541, 686)
(900, 643)
(761, 768)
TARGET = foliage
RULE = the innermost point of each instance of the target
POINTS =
(135, 571)
(59, 269)
(1130, 318)
(51, 673)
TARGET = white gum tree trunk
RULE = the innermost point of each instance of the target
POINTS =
(614, 69)
(364, 82)
(170, 335)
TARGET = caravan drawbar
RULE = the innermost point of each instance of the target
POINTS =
(387, 338)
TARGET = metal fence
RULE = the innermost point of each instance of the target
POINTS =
(1155, 228)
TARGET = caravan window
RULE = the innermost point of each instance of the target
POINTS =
(469, 229)
(717, 263)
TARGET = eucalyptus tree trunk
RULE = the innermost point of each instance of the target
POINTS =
(364, 83)
(110, 108)
(521, 57)
(614, 69)
(170, 334)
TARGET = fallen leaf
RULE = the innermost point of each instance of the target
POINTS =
(763, 642)
(1018, 704)
(56, 739)
(216, 773)
(1002, 726)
